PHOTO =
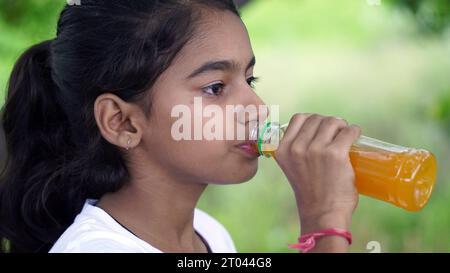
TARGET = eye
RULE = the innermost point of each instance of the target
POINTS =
(251, 81)
(214, 89)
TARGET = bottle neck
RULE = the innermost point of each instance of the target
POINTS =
(269, 136)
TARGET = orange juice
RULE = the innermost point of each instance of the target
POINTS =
(399, 175)
(405, 179)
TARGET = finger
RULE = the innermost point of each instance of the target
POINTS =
(328, 130)
(346, 137)
(294, 126)
(307, 132)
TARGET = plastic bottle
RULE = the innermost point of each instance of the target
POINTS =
(399, 175)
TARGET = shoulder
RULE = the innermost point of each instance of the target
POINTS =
(214, 232)
(93, 230)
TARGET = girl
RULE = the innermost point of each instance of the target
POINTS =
(92, 164)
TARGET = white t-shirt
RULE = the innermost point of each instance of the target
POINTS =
(94, 230)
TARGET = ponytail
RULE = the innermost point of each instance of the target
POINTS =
(36, 146)
(45, 180)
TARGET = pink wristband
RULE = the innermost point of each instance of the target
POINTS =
(308, 241)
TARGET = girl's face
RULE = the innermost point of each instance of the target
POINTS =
(216, 66)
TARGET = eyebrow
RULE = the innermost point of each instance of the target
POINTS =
(224, 65)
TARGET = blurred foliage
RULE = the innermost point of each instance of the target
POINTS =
(36, 16)
(440, 110)
(431, 15)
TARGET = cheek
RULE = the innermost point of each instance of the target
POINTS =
(205, 161)
(212, 162)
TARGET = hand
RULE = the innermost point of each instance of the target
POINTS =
(314, 155)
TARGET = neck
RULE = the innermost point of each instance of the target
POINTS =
(159, 209)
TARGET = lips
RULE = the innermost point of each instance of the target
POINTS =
(249, 147)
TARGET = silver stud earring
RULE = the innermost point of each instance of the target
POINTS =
(128, 144)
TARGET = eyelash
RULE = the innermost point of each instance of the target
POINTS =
(250, 81)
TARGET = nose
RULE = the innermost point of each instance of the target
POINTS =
(255, 108)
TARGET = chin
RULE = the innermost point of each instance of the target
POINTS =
(238, 176)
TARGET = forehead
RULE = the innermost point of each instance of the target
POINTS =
(219, 36)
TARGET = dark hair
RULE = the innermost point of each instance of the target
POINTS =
(57, 157)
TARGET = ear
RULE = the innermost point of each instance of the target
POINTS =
(120, 123)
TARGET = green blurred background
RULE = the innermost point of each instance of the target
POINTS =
(381, 64)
